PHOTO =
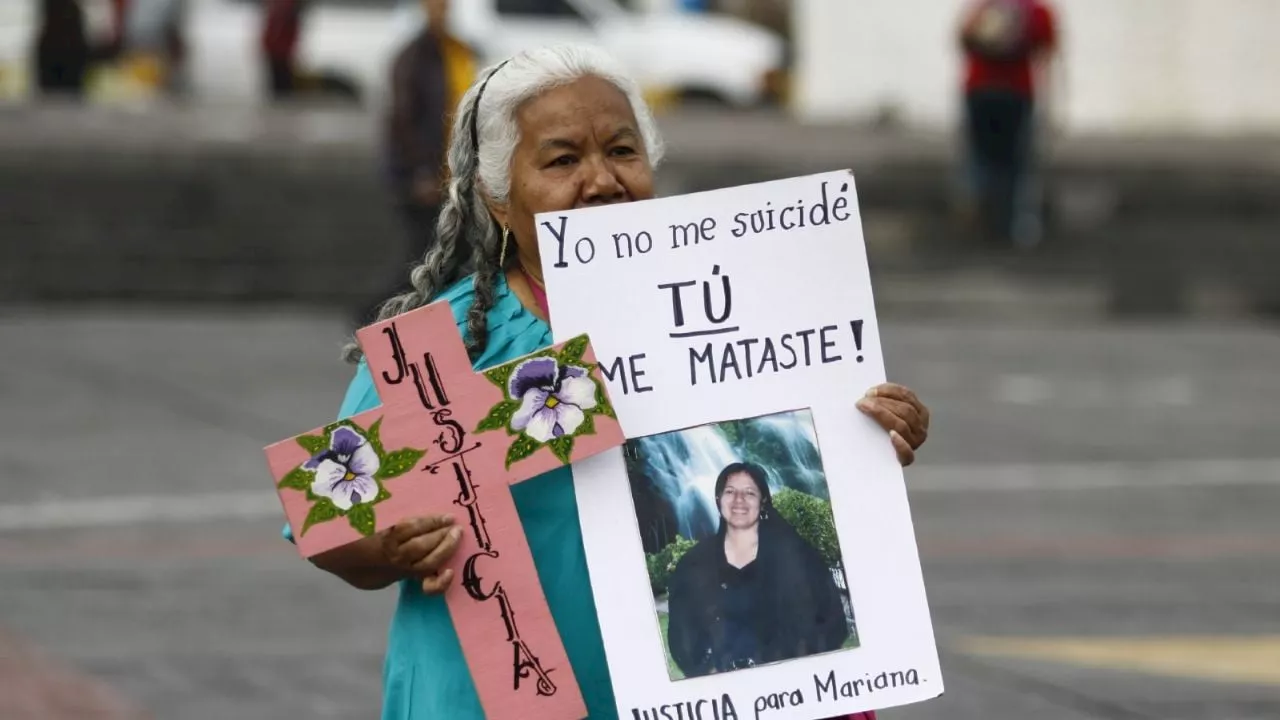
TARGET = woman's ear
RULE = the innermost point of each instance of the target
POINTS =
(499, 211)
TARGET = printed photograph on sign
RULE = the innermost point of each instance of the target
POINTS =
(740, 544)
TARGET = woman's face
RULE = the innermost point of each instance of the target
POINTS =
(579, 146)
(740, 502)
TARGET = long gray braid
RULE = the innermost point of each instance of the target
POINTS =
(464, 224)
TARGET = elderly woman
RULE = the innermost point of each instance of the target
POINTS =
(552, 129)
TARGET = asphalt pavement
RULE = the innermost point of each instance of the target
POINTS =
(1095, 510)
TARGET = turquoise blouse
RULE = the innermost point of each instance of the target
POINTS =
(424, 675)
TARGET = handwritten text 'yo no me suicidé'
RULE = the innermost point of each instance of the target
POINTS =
(827, 688)
(829, 208)
(704, 308)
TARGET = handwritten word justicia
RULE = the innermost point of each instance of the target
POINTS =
(721, 709)
(452, 441)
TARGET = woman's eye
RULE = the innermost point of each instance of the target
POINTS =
(622, 150)
(562, 161)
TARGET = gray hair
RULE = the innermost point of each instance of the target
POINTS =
(466, 230)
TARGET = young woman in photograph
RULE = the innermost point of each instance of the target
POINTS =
(753, 593)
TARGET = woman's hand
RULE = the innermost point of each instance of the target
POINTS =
(420, 547)
(899, 411)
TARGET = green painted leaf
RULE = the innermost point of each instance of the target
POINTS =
(523, 447)
(323, 511)
(603, 406)
(314, 444)
(562, 447)
(363, 519)
(297, 479)
(588, 426)
(397, 463)
(499, 417)
(571, 353)
(383, 494)
(500, 375)
(375, 437)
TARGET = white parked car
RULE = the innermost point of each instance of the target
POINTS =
(707, 55)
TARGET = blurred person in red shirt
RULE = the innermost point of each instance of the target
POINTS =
(111, 44)
(1007, 45)
(281, 30)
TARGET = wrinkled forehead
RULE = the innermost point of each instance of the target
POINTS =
(588, 105)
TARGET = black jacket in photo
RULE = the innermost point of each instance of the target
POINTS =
(781, 606)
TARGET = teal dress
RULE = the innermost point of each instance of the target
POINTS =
(425, 676)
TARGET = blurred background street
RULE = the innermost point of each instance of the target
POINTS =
(182, 253)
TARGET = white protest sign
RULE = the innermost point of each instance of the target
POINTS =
(751, 547)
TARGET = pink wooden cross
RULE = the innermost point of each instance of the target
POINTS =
(447, 438)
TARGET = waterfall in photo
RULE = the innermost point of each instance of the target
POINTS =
(679, 469)
(683, 466)
(801, 462)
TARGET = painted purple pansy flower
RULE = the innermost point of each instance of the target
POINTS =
(552, 397)
(344, 472)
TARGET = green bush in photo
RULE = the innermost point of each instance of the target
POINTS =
(811, 517)
(662, 563)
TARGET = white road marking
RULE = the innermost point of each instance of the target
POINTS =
(1083, 393)
(113, 511)
(1151, 475)
(123, 510)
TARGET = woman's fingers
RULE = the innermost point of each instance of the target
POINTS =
(421, 546)
(917, 431)
(439, 554)
(436, 584)
(895, 391)
(897, 409)
(880, 411)
(901, 393)
(412, 551)
(906, 455)
(406, 530)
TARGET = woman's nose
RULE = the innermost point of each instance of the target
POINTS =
(602, 186)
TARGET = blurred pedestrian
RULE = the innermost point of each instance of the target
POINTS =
(281, 30)
(428, 78)
(156, 43)
(1007, 46)
(62, 49)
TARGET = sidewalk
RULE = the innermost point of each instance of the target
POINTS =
(35, 687)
